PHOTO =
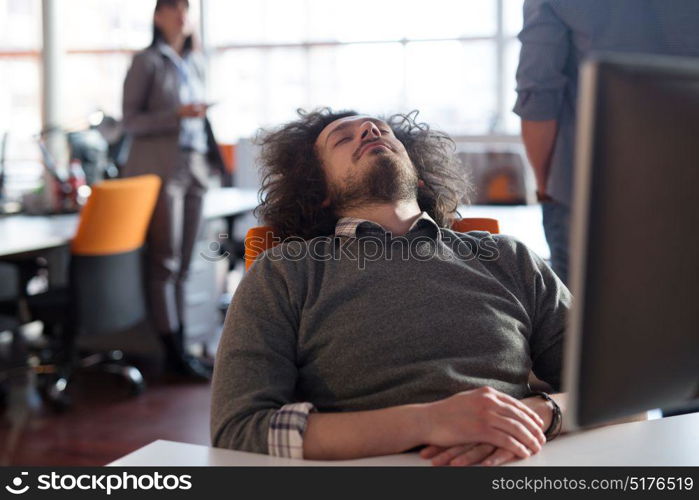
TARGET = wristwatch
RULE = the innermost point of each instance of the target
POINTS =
(556, 424)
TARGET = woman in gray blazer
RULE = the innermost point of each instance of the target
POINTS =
(164, 113)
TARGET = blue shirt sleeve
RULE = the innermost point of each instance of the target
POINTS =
(541, 77)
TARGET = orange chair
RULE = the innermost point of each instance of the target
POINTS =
(116, 216)
(260, 238)
(106, 291)
(476, 224)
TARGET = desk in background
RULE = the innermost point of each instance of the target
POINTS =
(29, 236)
(672, 441)
(524, 222)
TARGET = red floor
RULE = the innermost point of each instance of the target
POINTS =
(105, 423)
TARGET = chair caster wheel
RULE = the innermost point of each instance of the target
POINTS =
(56, 395)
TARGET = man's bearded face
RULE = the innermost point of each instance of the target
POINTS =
(364, 163)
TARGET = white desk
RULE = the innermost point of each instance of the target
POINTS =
(524, 222)
(226, 202)
(672, 441)
(22, 234)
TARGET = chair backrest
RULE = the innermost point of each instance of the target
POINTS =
(260, 238)
(106, 264)
(116, 216)
(476, 224)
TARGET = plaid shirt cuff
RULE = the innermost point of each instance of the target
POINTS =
(286, 428)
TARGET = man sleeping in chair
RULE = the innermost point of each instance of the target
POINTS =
(373, 328)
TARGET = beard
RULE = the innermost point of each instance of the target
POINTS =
(389, 179)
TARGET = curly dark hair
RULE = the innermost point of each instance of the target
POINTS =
(294, 184)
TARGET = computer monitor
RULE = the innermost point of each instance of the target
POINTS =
(633, 336)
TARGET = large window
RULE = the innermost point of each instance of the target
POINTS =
(98, 38)
(451, 59)
(20, 84)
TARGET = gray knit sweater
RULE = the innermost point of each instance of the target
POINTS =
(328, 322)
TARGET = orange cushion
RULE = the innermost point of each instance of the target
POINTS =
(257, 240)
(116, 216)
(476, 224)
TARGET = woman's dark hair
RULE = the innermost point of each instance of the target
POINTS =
(294, 184)
(188, 45)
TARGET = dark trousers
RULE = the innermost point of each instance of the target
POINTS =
(556, 218)
(171, 237)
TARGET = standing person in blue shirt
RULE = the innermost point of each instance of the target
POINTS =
(556, 37)
(165, 116)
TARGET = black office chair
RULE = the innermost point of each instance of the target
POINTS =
(13, 356)
(106, 290)
(9, 365)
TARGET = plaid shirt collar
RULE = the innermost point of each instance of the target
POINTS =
(351, 226)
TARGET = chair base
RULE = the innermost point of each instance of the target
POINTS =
(57, 378)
